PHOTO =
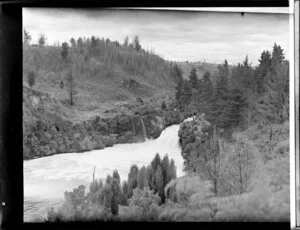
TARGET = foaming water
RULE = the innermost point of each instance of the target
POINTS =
(46, 179)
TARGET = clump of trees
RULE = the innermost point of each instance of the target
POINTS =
(238, 95)
(142, 193)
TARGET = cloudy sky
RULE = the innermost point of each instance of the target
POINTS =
(175, 35)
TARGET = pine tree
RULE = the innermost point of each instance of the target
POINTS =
(136, 43)
(132, 179)
(179, 87)
(159, 183)
(277, 54)
(194, 79)
(155, 162)
(116, 196)
(65, 50)
(125, 193)
(116, 176)
(173, 169)
(80, 44)
(141, 179)
(247, 76)
(262, 70)
(207, 93)
(233, 110)
(106, 196)
(150, 177)
(187, 93)
(220, 98)
(71, 84)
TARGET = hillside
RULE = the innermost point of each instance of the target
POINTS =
(112, 86)
(98, 86)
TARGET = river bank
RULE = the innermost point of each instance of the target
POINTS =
(46, 133)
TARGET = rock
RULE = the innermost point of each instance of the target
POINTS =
(193, 134)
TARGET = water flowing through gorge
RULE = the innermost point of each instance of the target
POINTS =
(46, 179)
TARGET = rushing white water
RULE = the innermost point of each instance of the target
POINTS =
(46, 179)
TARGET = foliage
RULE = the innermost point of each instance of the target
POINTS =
(65, 50)
(143, 206)
(27, 37)
(31, 78)
(42, 40)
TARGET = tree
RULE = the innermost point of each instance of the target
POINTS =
(150, 177)
(159, 183)
(155, 162)
(233, 110)
(109, 179)
(177, 73)
(116, 196)
(273, 106)
(141, 178)
(116, 176)
(167, 171)
(242, 165)
(71, 84)
(105, 197)
(31, 78)
(193, 78)
(93, 41)
(207, 93)
(262, 70)
(187, 93)
(73, 42)
(277, 54)
(220, 98)
(125, 191)
(80, 44)
(136, 43)
(173, 169)
(132, 178)
(42, 40)
(27, 37)
(64, 50)
(126, 41)
(247, 76)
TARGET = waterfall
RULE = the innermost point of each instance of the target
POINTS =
(143, 129)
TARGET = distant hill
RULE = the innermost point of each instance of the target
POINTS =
(200, 67)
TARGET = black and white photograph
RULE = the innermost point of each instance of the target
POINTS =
(136, 115)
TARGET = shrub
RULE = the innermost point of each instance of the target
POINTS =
(31, 78)
(143, 206)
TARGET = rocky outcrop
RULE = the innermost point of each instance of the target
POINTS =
(46, 133)
(194, 138)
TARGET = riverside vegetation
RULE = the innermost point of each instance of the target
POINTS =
(236, 149)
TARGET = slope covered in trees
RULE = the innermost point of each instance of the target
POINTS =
(241, 95)
(96, 71)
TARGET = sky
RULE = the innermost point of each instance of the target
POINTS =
(174, 35)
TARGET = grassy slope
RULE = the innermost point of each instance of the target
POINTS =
(95, 90)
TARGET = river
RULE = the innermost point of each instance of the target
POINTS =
(46, 179)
